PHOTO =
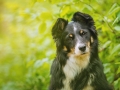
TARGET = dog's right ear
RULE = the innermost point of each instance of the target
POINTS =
(85, 19)
(58, 28)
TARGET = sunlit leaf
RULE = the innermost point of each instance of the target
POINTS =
(117, 28)
(117, 84)
(46, 16)
(65, 10)
(112, 8)
(117, 63)
(118, 71)
(30, 63)
(42, 27)
(106, 44)
(12, 5)
(39, 63)
(115, 49)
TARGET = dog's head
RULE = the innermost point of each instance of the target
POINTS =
(76, 37)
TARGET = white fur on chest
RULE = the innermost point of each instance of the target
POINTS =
(73, 66)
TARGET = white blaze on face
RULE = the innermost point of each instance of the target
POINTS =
(77, 51)
(78, 44)
(74, 28)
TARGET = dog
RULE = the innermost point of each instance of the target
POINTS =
(77, 65)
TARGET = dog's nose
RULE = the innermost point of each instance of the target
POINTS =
(82, 48)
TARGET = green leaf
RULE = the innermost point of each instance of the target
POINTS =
(39, 63)
(113, 8)
(117, 28)
(115, 49)
(117, 63)
(115, 20)
(42, 27)
(118, 71)
(106, 44)
(117, 84)
(65, 10)
(30, 63)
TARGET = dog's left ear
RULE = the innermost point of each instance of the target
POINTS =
(85, 19)
(58, 28)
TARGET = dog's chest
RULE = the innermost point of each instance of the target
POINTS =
(72, 68)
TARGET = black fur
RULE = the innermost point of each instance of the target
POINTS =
(59, 32)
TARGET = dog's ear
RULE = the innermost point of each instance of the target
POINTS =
(84, 19)
(59, 27)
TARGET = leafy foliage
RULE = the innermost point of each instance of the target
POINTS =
(27, 48)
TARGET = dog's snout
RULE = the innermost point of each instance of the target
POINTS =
(82, 48)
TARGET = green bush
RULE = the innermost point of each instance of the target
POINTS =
(26, 46)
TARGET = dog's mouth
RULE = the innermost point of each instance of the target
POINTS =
(83, 53)
(79, 54)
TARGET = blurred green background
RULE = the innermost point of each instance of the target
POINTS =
(27, 48)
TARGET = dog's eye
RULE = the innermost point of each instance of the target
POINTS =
(71, 36)
(82, 32)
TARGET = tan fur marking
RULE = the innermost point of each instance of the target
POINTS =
(88, 44)
(88, 88)
(71, 35)
(81, 57)
(72, 52)
(64, 48)
(81, 31)
(62, 25)
(92, 40)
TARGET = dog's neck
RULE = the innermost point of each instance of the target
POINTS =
(75, 64)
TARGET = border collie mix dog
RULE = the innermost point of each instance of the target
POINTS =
(77, 65)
